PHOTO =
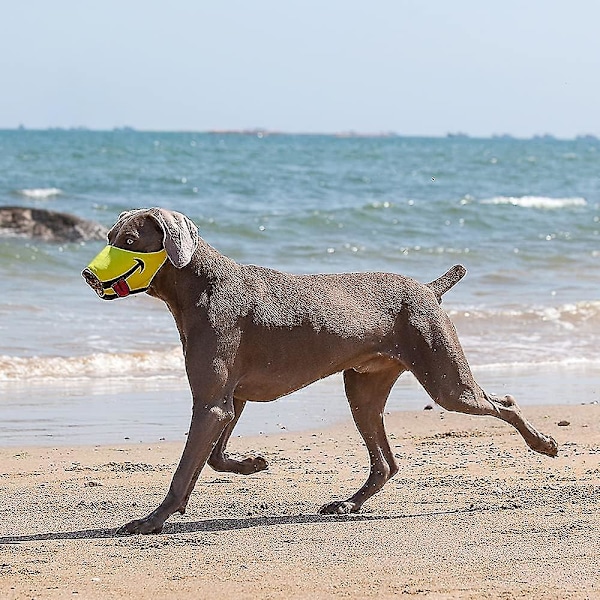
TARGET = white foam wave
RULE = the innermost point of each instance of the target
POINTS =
(533, 335)
(40, 193)
(146, 365)
(530, 335)
(573, 363)
(160, 368)
(541, 202)
(566, 315)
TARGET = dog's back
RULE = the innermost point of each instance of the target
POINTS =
(344, 304)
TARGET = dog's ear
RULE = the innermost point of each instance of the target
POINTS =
(181, 236)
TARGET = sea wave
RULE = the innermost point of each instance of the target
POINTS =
(159, 368)
(529, 336)
(572, 363)
(135, 365)
(40, 193)
(568, 316)
(541, 202)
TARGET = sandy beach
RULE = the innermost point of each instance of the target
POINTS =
(471, 514)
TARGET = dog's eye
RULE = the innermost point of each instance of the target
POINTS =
(129, 241)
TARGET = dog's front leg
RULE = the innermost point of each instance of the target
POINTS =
(220, 461)
(208, 423)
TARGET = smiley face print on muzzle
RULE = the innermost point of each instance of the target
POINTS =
(117, 273)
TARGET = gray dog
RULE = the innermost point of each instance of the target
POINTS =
(254, 334)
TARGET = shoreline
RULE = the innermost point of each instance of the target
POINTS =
(108, 411)
(472, 513)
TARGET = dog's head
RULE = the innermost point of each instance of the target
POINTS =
(139, 244)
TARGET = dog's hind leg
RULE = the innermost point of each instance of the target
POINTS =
(220, 461)
(438, 362)
(367, 394)
(471, 399)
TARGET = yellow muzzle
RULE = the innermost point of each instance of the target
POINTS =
(116, 273)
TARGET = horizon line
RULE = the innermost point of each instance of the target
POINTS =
(265, 132)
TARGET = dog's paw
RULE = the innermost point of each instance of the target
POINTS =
(140, 526)
(253, 464)
(546, 444)
(247, 466)
(339, 507)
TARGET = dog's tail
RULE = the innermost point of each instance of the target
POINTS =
(449, 279)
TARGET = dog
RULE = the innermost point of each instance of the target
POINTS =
(255, 334)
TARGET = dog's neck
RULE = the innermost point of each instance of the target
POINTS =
(173, 285)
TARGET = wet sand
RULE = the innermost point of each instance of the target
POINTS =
(66, 412)
(471, 514)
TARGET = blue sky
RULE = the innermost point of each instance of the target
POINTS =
(522, 67)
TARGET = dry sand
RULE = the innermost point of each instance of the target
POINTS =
(471, 514)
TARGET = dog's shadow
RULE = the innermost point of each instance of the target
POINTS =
(216, 525)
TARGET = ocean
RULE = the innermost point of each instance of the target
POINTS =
(523, 216)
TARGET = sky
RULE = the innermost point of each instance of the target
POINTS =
(412, 67)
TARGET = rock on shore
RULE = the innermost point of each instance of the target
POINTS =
(48, 225)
